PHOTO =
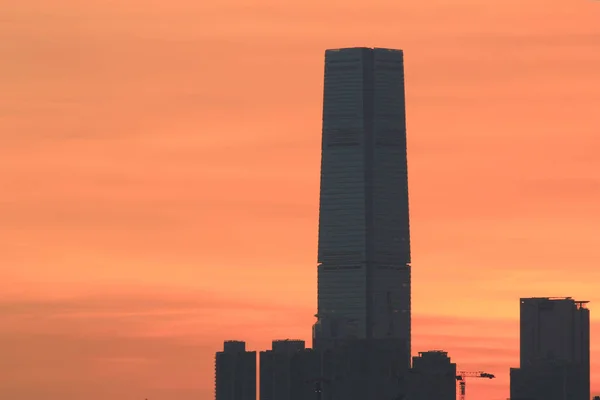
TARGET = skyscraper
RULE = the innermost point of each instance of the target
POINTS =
(555, 350)
(364, 239)
(235, 372)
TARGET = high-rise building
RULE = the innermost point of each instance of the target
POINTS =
(361, 340)
(432, 377)
(288, 371)
(373, 369)
(364, 241)
(554, 350)
(235, 372)
(554, 328)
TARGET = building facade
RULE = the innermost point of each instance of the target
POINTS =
(235, 372)
(361, 369)
(289, 371)
(432, 377)
(364, 239)
(554, 350)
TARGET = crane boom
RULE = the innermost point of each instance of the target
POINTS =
(462, 375)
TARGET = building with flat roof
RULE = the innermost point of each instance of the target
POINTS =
(363, 320)
(288, 371)
(361, 369)
(235, 372)
(364, 235)
(554, 350)
(432, 377)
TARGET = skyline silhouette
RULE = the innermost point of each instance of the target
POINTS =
(148, 153)
(362, 337)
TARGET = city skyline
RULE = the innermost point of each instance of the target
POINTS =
(151, 153)
(361, 340)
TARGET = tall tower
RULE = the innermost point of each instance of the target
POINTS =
(364, 238)
(555, 350)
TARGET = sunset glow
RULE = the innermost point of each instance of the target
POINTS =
(159, 171)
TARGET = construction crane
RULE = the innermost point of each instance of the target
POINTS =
(462, 375)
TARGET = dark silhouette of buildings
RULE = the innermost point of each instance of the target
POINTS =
(554, 351)
(235, 372)
(364, 369)
(432, 377)
(361, 339)
(364, 238)
(362, 336)
(289, 371)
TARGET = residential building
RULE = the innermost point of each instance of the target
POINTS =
(235, 372)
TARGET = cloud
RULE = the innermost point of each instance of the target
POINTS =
(129, 301)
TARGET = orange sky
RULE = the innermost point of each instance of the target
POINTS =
(159, 171)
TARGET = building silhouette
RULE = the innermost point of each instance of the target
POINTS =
(432, 377)
(289, 371)
(554, 350)
(362, 336)
(360, 369)
(364, 239)
(363, 323)
(235, 372)
(361, 340)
